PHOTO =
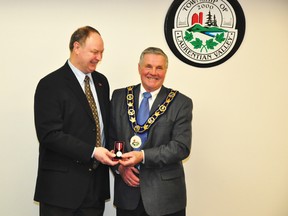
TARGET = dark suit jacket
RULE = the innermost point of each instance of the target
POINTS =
(162, 180)
(66, 132)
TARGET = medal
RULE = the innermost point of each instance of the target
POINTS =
(135, 141)
(119, 154)
(118, 149)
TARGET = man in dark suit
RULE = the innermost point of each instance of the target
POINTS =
(150, 177)
(73, 176)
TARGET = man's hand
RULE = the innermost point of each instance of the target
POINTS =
(129, 176)
(131, 158)
(104, 156)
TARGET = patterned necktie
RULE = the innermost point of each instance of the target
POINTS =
(93, 107)
(143, 115)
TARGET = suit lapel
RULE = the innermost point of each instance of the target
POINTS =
(130, 132)
(75, 87)
(136, 98)
(100, 94)
(159, 99)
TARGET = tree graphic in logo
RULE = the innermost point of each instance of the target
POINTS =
(210, 29)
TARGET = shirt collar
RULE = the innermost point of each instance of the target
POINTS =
(79, 74)
(153, 94)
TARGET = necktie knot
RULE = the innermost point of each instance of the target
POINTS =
(147, 95)
(86, 80)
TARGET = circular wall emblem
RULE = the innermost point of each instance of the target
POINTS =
(204, 33)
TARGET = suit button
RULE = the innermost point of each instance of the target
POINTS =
(90, 170)
(94, 129)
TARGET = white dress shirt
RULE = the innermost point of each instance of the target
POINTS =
(80, 77)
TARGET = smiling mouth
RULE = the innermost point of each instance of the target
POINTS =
(152, 78)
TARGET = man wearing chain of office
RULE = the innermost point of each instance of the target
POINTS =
(153, 123)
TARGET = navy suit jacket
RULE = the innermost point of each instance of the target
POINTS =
(66, 132)
(162, 179)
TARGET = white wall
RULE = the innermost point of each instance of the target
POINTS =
(238, 164)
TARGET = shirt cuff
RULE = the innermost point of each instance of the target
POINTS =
(143, 161)
(92, 156)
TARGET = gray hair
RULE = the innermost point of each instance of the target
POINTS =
(153, 50)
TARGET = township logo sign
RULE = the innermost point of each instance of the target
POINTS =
(204, 33)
